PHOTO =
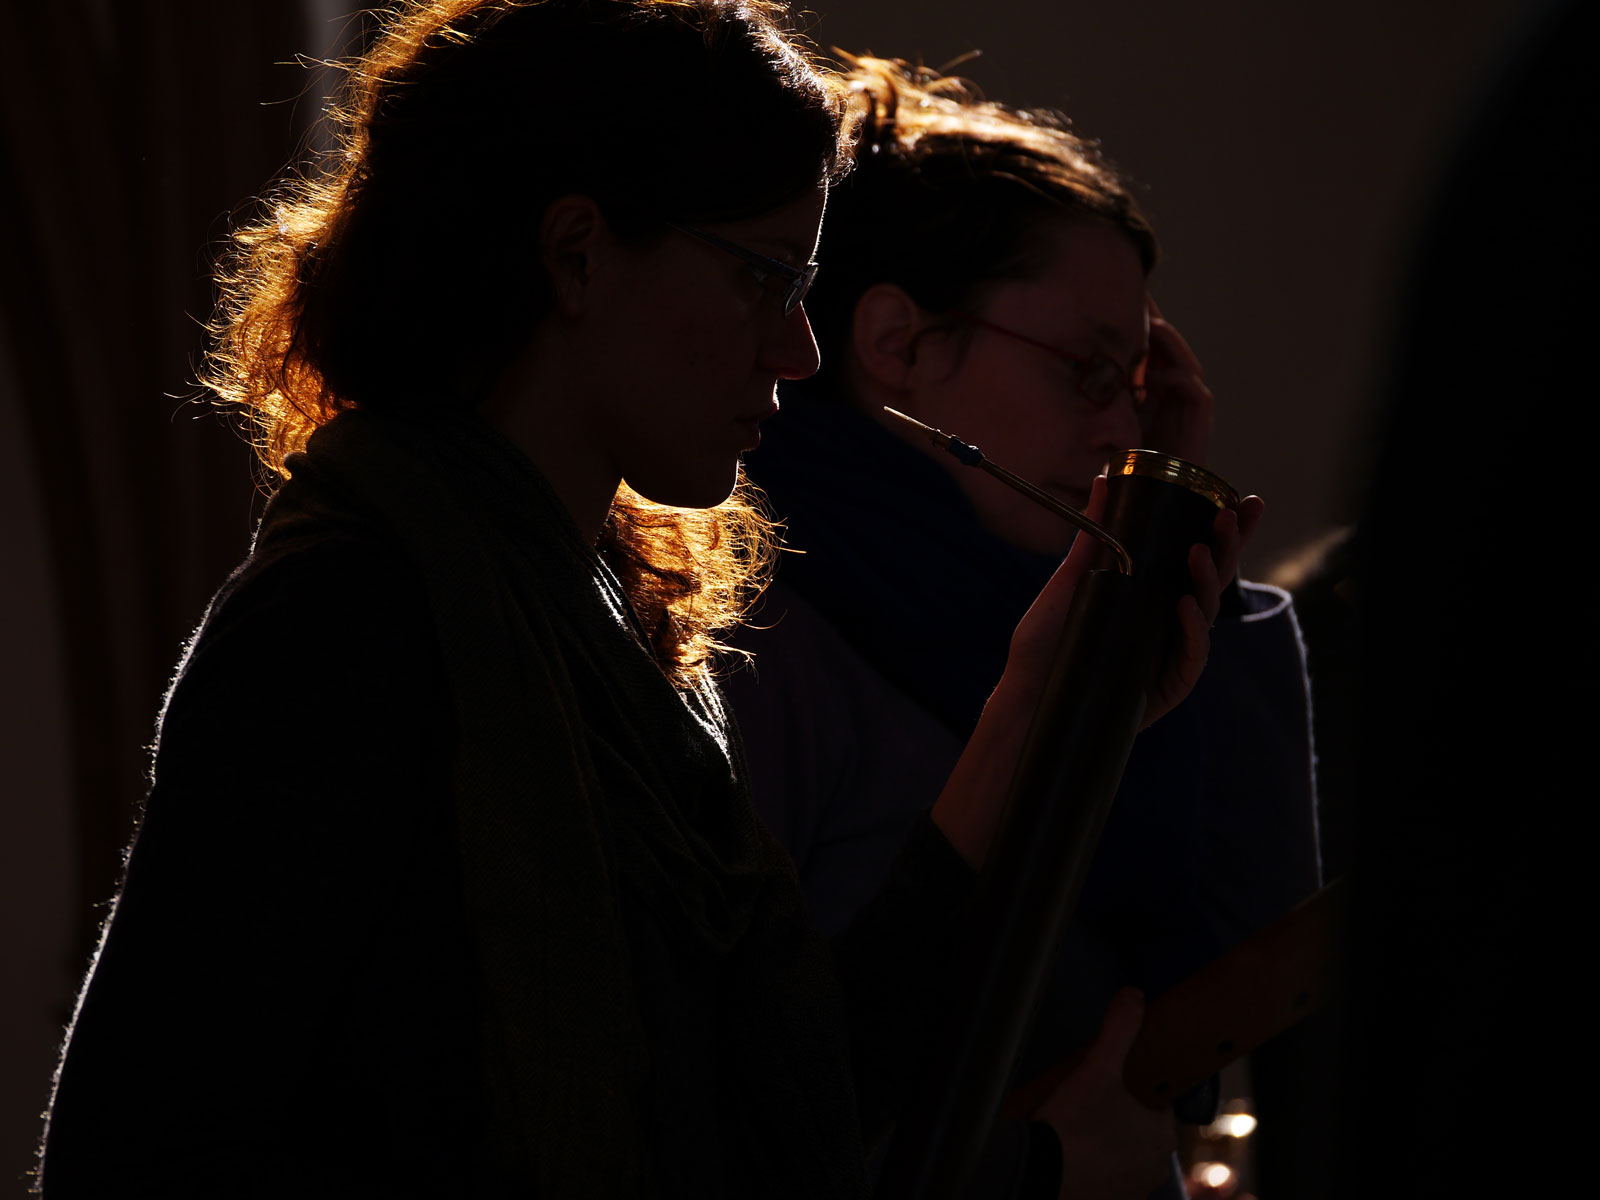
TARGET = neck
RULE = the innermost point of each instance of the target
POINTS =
(871, 397)
(535, 404)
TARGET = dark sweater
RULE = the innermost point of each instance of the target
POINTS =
(875, 652)
(295, 997)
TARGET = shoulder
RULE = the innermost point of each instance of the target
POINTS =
(786, 703)
(315, 594)
(310, 729)
(1247, 721)
(300, 640)
(806, 680)
(841, 761)
(792, 647)
(1262, 637)
(1264, 602)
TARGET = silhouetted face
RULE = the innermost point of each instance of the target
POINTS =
(1022, 404)
(700, 344)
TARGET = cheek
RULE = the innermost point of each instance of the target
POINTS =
(677, 359)
(1013, 517)
(1015, 416)
(1019, 421)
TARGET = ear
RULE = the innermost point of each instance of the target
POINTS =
(572, 236)
(884, 334)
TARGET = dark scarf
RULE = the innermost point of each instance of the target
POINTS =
(894, 555)
(592, 795)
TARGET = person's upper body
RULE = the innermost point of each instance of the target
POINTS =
(449, 881)
(874, 651)
(991, 282)
(387, 848)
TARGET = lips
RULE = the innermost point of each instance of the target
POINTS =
(750, 428)
(769, 410)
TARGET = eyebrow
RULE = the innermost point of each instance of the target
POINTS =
(1109, 333)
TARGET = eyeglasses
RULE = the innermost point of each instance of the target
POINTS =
(769, 272)
(1098, 379)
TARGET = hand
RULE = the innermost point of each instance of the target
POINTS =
(970, 806)
(1033, 642)
(1197, 613)
(1112, 1147)
(969, 809)
(1178, 406)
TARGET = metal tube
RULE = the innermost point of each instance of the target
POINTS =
(1117, 634)
(1072, 762)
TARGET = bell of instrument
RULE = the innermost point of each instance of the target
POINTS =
(1120, 630)
(1158, 506)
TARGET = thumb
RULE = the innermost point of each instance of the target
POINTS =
(1118, 1032)
(1040, 628)
(1081, 556)
(1084, 547)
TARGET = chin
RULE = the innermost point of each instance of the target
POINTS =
(1053, 541)
(683, 489)
(1048, 547)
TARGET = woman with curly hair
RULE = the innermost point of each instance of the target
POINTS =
(448, 883)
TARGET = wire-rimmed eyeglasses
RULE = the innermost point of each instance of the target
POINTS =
(796, 281)
(1099, 379)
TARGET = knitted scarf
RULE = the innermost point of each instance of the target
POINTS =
(593, 798)
(894, 554)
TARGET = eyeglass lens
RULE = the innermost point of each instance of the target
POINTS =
(798, 287)
(1102, 381)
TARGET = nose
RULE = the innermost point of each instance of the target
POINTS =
(1116, 427)
(790, 351)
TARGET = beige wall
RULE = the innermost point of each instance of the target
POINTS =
(1284, 149)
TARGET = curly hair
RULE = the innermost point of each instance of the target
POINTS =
(401, 270)
(948, 194)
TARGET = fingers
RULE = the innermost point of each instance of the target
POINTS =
(1111, 1145)
(1232, 532)
(1166, 342)
(1178, 407)
(1084, 548)
(1251, 510)
(1207, 576)
(1096, 508)
(1194, 647)
(1040, 628)
(1118, 1032)
(1210, 569)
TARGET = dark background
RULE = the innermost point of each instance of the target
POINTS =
(1285, 152)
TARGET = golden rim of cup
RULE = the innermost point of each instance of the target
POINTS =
(1156, 465)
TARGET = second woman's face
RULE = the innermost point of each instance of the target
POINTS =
(1018, 401)
(700, 345)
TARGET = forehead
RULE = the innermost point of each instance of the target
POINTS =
(1084, 280)
(789, 232)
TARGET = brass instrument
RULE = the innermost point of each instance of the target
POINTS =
(1116, 636)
